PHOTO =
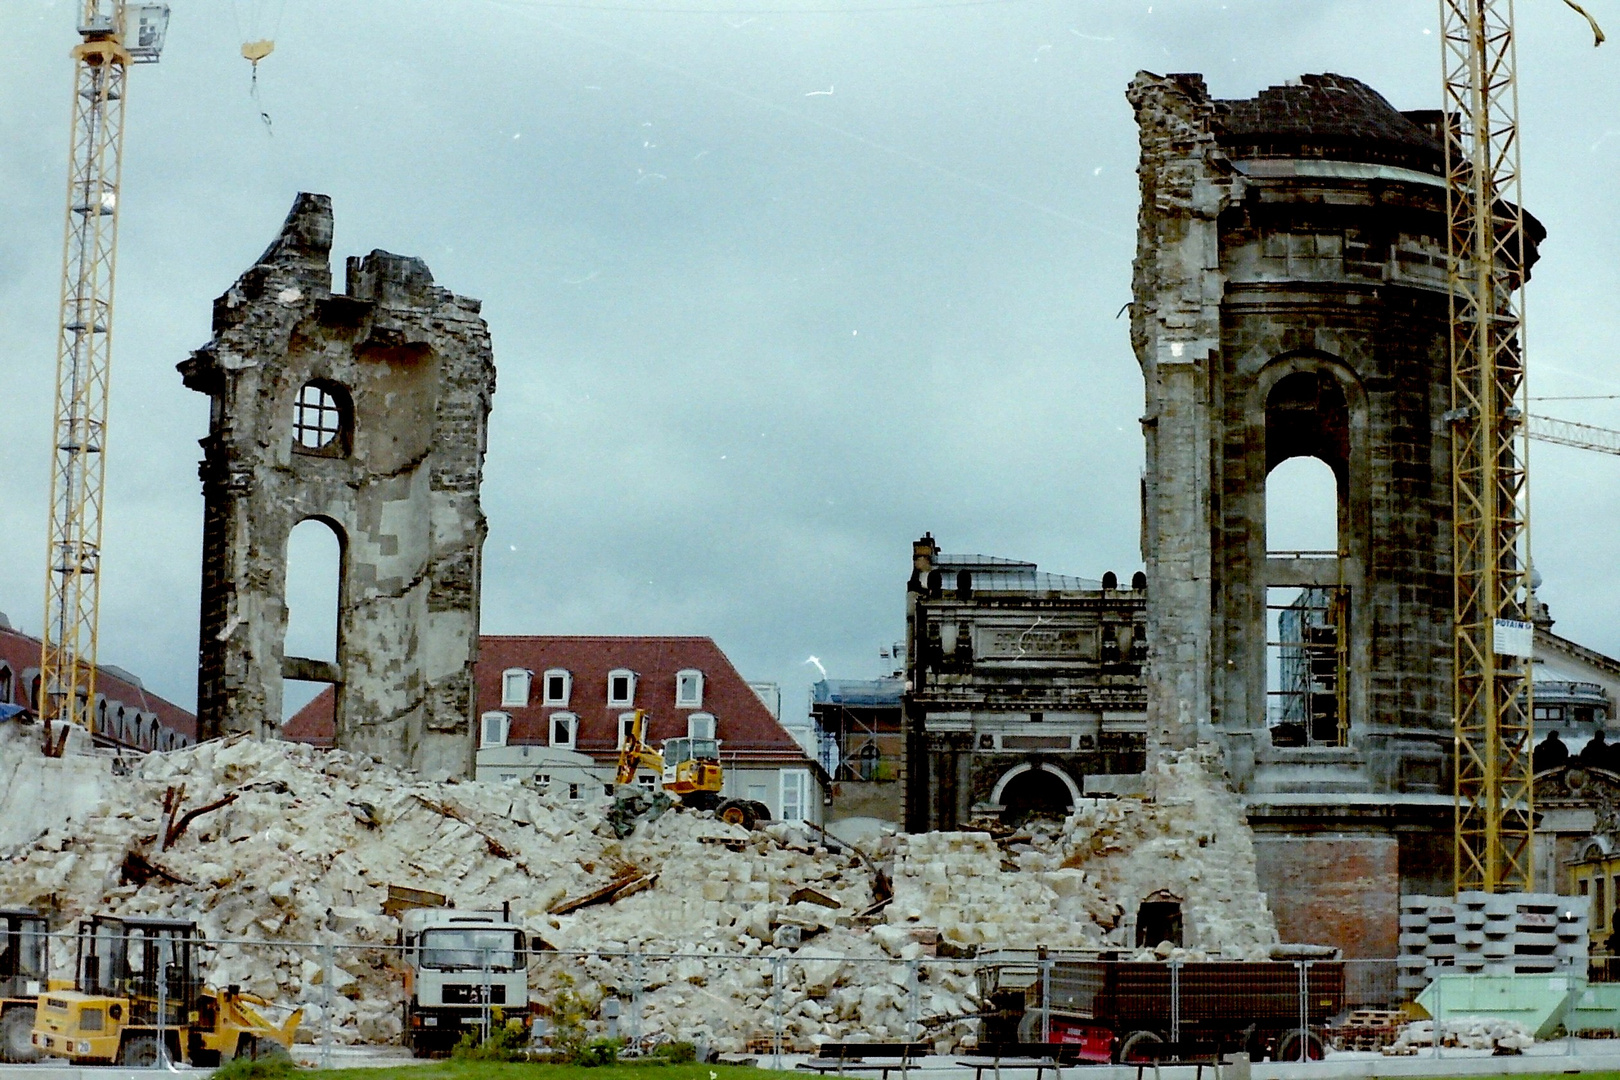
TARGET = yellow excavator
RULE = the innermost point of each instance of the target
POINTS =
(689, 770)
(137, 1001)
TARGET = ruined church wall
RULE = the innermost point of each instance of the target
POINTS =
(409, 370)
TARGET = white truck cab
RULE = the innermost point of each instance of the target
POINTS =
(465, 971)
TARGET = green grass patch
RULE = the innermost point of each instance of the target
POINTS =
(654, 1069)
(1560, 1075)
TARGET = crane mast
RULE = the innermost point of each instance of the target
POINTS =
(1490, 520)
(113, 35)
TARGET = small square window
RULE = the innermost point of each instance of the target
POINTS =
(700, 726)
(515, 688)
(621, 687)
(557, 686)
(564, 726)
(689, 689)
(494, 729)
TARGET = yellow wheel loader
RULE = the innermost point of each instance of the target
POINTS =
(137, 1000)
(24, 968)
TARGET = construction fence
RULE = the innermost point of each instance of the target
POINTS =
(780, 1002)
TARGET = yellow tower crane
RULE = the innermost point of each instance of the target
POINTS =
(113, 35)
(1485, 247)
(1550, 429)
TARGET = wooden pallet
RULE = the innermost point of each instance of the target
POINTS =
(1367, 1029)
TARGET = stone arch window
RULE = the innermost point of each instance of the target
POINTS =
(6, 687)
(1302, 508)
(1309, 529)
(868, 761)
(323, 419)
(1307, 417)
(312, 628)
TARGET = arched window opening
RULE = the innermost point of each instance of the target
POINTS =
(312, 596)
(322, 419)
(868, 762)
(1302, 508)
(5, 685)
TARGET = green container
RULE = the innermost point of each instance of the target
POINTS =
(1539, 1002)
(1595, 1007)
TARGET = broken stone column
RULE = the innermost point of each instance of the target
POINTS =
(1175, 330)
(366, 410)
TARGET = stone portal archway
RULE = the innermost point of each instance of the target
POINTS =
(1034, 790)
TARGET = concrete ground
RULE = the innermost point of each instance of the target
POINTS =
(1573, 1056)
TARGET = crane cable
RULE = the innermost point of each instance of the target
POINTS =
(256, 45)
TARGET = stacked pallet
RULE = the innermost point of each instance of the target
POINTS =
(1367, 1029)
(1488, 934)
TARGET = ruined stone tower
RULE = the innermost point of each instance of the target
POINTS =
(1289, 301)
(365, 410)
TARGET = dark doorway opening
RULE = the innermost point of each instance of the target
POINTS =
(1158, 920)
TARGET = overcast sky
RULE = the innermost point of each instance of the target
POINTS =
(773, 287)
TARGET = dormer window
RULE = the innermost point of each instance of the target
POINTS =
(689, 689)
(621, 687)
(515, 688)
(564, 729)
(493, 729)
(558, 684)
(700, 725)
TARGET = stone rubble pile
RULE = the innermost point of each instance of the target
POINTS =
(763, 924)
(1467, 1032)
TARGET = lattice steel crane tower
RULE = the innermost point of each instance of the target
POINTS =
(114, 36)
(1490, 473)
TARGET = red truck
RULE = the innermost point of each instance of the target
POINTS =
(1115, 1010)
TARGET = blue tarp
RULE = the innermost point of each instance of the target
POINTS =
(867, 692)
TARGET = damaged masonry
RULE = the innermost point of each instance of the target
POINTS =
(366, 411)
(308, 848)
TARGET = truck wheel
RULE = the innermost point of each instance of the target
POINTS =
(1134, 1048)
(1289, 1045)
(737, 812)
(139, 1052)
(17, 1034)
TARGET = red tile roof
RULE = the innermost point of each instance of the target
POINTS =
(19, 656)
(744, 725)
